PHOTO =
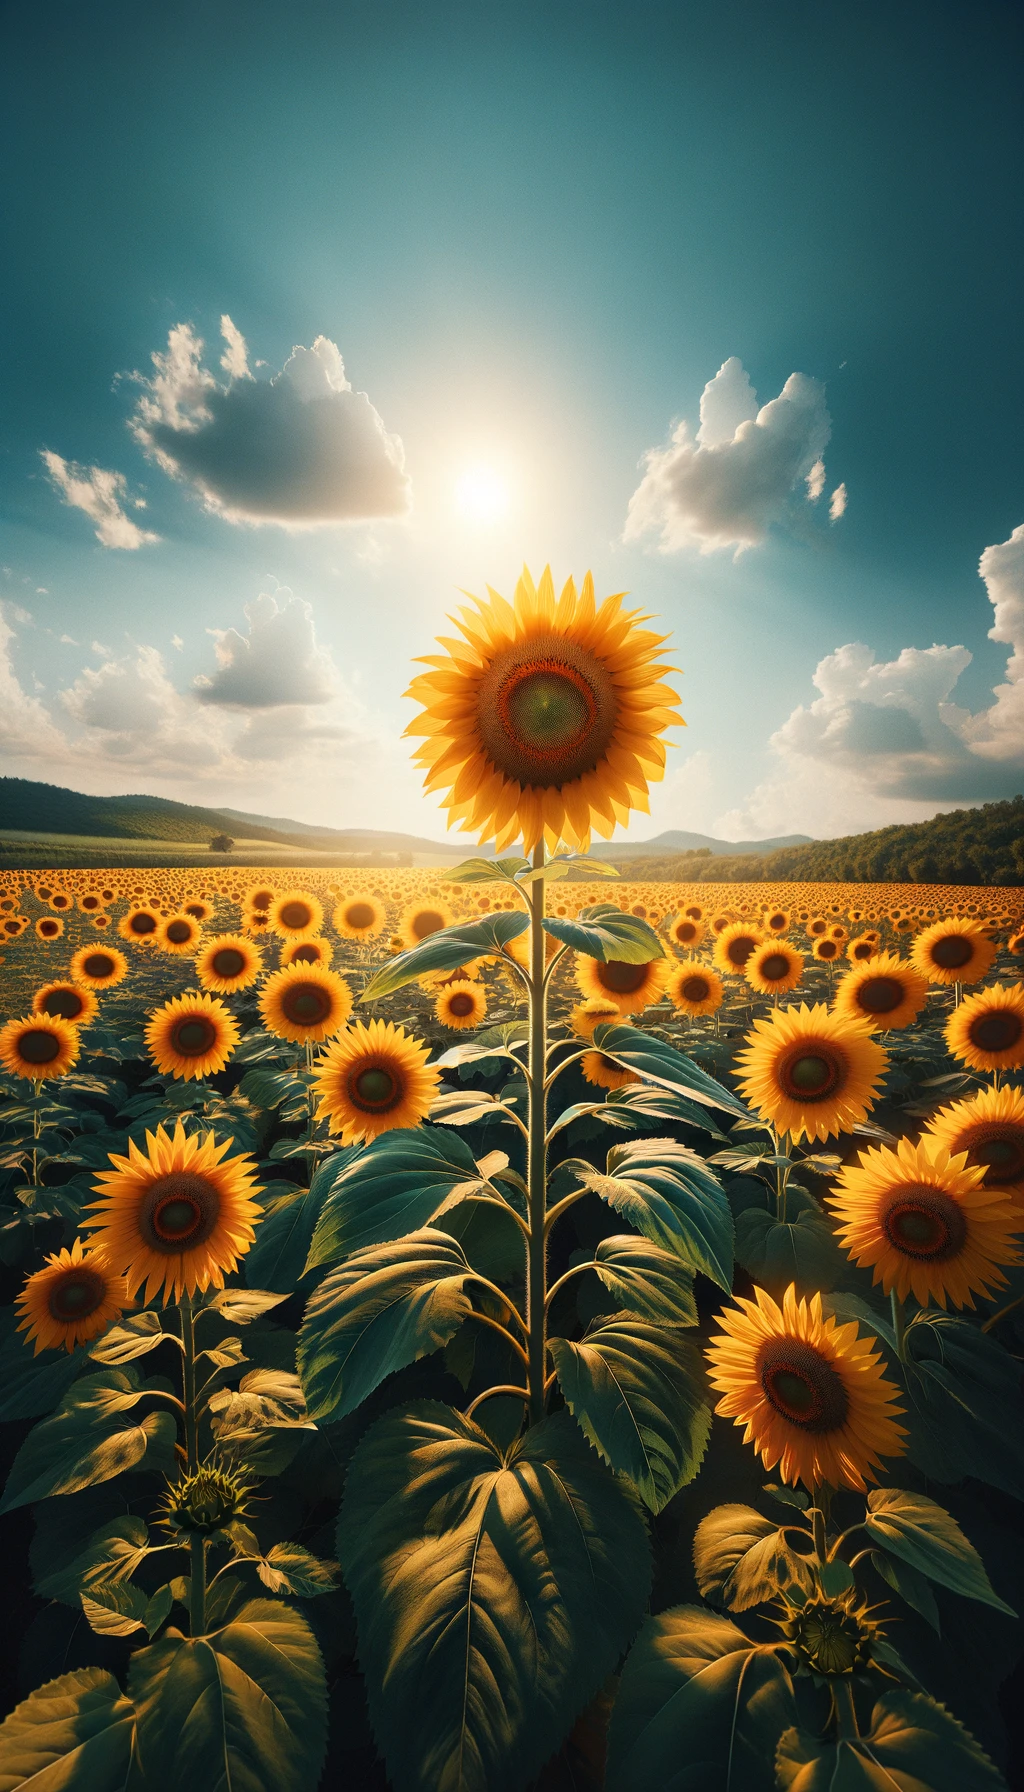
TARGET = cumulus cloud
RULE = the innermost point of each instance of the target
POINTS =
(277, 662)
(26, 728)
(101, 494)
(742, 471)
(998, 734)
(837, 504)
(132, 711)
(300, 450)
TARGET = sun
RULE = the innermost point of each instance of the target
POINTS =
(481, 495)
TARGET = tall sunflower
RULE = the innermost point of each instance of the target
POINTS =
(178, 1216)
(809, 1392)
(694, 988)
(228, 962)
(986, 1032)
(70, 1000)
(811, 1073)
(73, 1298)
(191, 1036)
(735, 944)
(925, 1224)
(374, 1079)
(885, 990)
(359, 917)
(774, 968)
(990, 1128)
(632, 987)
(38, 1046)
(461, 1005)
(99, 967)
(544, 721)
(954, 951)
(296, 914)
(305, 1002)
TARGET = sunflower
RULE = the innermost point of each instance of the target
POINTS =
(89, 901)
(198, 909)
(862, 947)
(49, 927)
(776, 920)
(987, 1030)
(177, 1216)
(228, 962)
(694, 911)
(604, 1073)
(61, 902)
(631, 987)
(191, 1036)
(73, 1298)
(925, 1224)
(99, 967)
(544, 722)
(38, 1046)
(295, 914)
(816, 928)
(597, 1011)
(886, 991)
(140, 925)
(809, 1392)
(734, 946)
(685, 931)
(178, 935)
(990, 1128)
(257, 898)
(69, 1000)
(774, 968)
(694, 988)
(811, 1073)
(373, 1079)
(359, 917)
(838, 932)
(101, 920)
(954, 951)
(826, 949)
(461, 1005)
(305, 1002)
(718, 923)
(307, 951)
(421, 919)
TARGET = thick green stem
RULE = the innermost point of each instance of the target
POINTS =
(899, 1324)
(536, 1175)
(197, 1601)
(197, 1598)
(817, 1517)
(846, 1711)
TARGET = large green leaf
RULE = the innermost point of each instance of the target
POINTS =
(640, 1393)
(31, 1385)
(742, 1559)
(445, 950)
(397, 1184)
(700, 1706)
(918, 1531)
(964, 1403)
(385, 1307)
(668, 1193)
(645, 1279)
(73, 1733)
(243, 1710)
(89, 1439)
(801, 1248)
(277, 1260)
(113, 1552)
(914, 1745)
(614, 935)
(486, 871)
(658, 1062)
(494, 1592)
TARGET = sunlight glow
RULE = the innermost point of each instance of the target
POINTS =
(481, 495)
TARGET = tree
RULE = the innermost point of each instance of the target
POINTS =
(222, 843)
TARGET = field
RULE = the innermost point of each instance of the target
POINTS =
(379, 1263)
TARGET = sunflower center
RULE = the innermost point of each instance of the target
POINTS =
(193, 1036)
(811, 1073)
(861, 951)
(295, 914)
(142, 924)
(460, 1005)
(801, 1385)
(178, 1212)
(76, 1295)
(374, 1089)
(739, 949)
(49, 928)
(952, 952)
(65, 1002)
(924, 1223)
(359, 914)
(1002, 1153)
(99, 964)
(307, 1004)
(830, 1640)
(263, 899)
(777, 923)
(228, 962)
(775, 967)
(880, 995)
(996, 1031)
(196, 909)
(623, 978)
(38, 1046)
(425, 922)
(178, 932)
(546, 710)
(307, 954)
(696, 989)
(827, 949)
(686, 932)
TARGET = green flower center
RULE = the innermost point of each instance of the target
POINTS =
(375, 1089)
(193, 1037)
(925, 1224)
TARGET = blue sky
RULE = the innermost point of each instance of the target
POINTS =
(533, 234)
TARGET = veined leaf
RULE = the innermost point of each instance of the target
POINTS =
(487, 871)
(657, 1062)
(288, 1568)
(134, 1336)
(395, 1185)
(278, 1258)
(914, 1744)
(76, 1731)
(667, 1192)
(910, 1584)
(31, 1385)
(494, 1592)
(614, 935)
(112, 1553)
(90, 1440)
(387, 1305)
(742, 1559)
(646, 1280)
(964, 1403)
(918, 1531)
(467, 1107)
(639, 1392)
(444, 950)
(115, 1608)
(801, 1248)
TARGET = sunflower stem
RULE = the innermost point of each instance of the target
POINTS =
(899, 1324)
(846, 1711)
(536, 1176)
(35, 1147)
(817, 1518)
(197, 1595)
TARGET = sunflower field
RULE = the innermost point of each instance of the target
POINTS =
(511, 1327)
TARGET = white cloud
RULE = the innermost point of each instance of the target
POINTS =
(300, 450)
(741, 473)
(26, 728)
(837, 504)
(278, 662)
(102, 649)
(100, 494)
(998, 734)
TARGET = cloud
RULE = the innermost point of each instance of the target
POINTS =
(300, 450)
(998, 734)
(132, 712)
(726, 486)
(278, 662)
(100, 494)
(837, 505)
(26, 728)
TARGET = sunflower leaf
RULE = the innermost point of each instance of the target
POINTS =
(801, 1248)
(645, 1279)
(74, 1731)
(133, 1337)
(89, 1439)
(742, 1559)
(486, 871)
(918, 1531)
(964, 1403)
(31, 1385)
(278, 1258)
(445, 950)
(657, 1062)
(913, 1742)
(626, 938)
(667, 1192)
(398, 1183)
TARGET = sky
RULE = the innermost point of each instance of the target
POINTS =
(316, 316)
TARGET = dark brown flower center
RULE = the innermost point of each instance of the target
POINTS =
(996, 1031)
(306, 1004)
(924, 1223)
(801, 1385)
(425, 922)
(60, 901)
(775, 967)
(374, 1089)
(739, 949)
(89, 903)
(197, 910)
(685, 932)
(68, 1003)
(37, 1046)
(817, 927)
(827, 949)
(49, 929)
(142, 923)
(359, 914)
(460, 1005)
(811, 1071)
(99, 964)
(777, 922)
(880, 995)
(178, 1212)
(262, 899)
(951, 953)
(546, 711)
(999, 1148)
(308, 953)
(695, 989)
(623, 978)
(77, 1293)
(295, 914)
(193, 1036)
(228, 962)
(863, 949)
(178, 932)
